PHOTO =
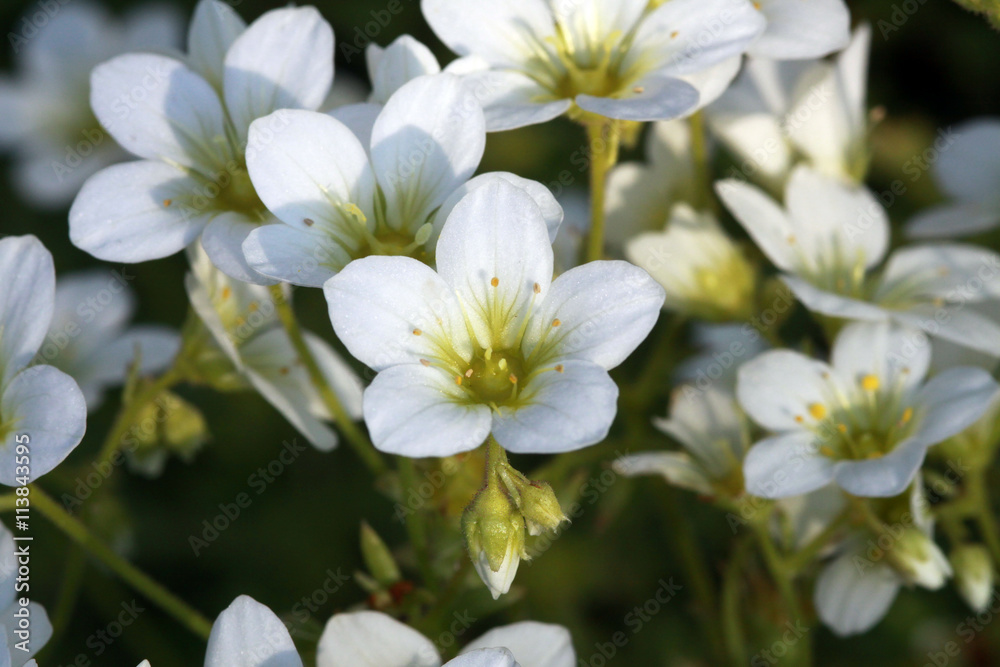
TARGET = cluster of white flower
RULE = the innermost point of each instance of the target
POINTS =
(483, 337)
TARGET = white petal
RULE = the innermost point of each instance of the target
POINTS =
(248, 634)
(883, 477)
(786, 465)
(298, 256)
(708, 423)
(41, 632)
(308, 169)
(284, 60)
(639, 198)
(511, 100)
(498, 234)
(120, 214)
(850, 600)
(427, 141)
(559, 411)
(8, 568)
(678, 468)
(419, 411)
(952, 401)
(953, 220)
(898, 356)
(712, 82)
(340, 376)
(272, 365)
(157, 108)
(780, 385)
(395, 310)
(968, 168)
(359, 118)
(605, 310)
(764, 220)
(652, 98)
(831, 219)
(27, 299)
(92, 308)
(395, 65)
(797, 29)
(686, 36)
(223, 242)
(373, 639)
(834, 305)
(487, 657)
(958, 324)
(532, 644)
(503, 32)
(951, 271)
(214, 27)
(552, 211)
(584, 23)
(46, 405)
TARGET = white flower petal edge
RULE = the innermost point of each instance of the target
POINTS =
(373, 639)
(849, 601)
(487, 657)
(248, 634)
(532, 644)
(27, 299)
(798, 30)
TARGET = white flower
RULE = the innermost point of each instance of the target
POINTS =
(967, 170)
(715, 435)
(489, 342)
(244, 322)
(641, 195)
(855, 590)
(373, 639)
(613, 58)
(248, 634)
(41, 628)
(392, 67)
(830, 236)
(189, 122)
(40, 406)
(797, 29)
(47, 121)
(88, 339)
(864, 421)
(776, 111)
(339, 202)
(703, 272)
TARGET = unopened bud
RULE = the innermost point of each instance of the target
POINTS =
(919, 560)
(378, 559)
(973, 574)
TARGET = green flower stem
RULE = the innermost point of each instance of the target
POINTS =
(416, 523)
(732, 625)
(131, 410)
(603, 139)
(804, 556)
(187, 616)
(783, 577)
(76, 565)
(699, 154)
(358, 440)
(8, 502)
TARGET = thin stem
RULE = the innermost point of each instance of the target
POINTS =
(132, 575)
(603, 139)
(732, 626)
(699, 155)
(416, 524)
(358, 440)
(131, 410)
(782, 575)
(76, 565)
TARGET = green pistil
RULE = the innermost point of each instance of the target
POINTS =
(495, 378)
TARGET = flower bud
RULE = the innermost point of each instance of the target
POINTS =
(918, 559)
(378, 559)
(973, 574)
(494, 534)
(167, 425)
(539, 506)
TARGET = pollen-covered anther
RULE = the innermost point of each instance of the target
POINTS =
(417, 332)
(638, 90)
(870, 383)
(799, 419)
(495, 281)
(907, 416)
(227, 292)
(842, 428)
(560, 368)
(556, 322)
(469, 373)
(458, 380)
(502, 364)
(167, 202)
(817, 410)
(425, 362)
(538, 288)
(512, 378)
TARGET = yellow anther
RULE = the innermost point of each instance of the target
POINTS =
(355, 212)
(502, 364)
(842, 428)
(799, 419)
(817, 410)
(826, 451)
(425, 362)
(638, 90)
(458, 380)
(417, 332)
(791, 239)
(468, 373)
(495, 281)
(870, 383)
(512, 378)
(488, 354)
(560, 368)
(226, 292)
(907, 416)
(253, 307)
(674, 34)
(556, 322)
(167, 202)
(538, 288)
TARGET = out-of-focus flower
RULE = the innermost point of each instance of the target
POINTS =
(974, 574)
(829, 238)
(968, 173)
(864, 421)
(88, 338)
(41, 408)
(188, 120)
(490, 342)
(855, 589)
(797, 30)
(777, 113)
(339, 202)
(244, 323)
(703, 272)
(47, 122)
(613, 58)
(641, 196)
(715, 435)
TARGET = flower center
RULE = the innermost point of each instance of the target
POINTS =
(495, 377)
(239, 194)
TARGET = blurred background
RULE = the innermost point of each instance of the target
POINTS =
(932, 65)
